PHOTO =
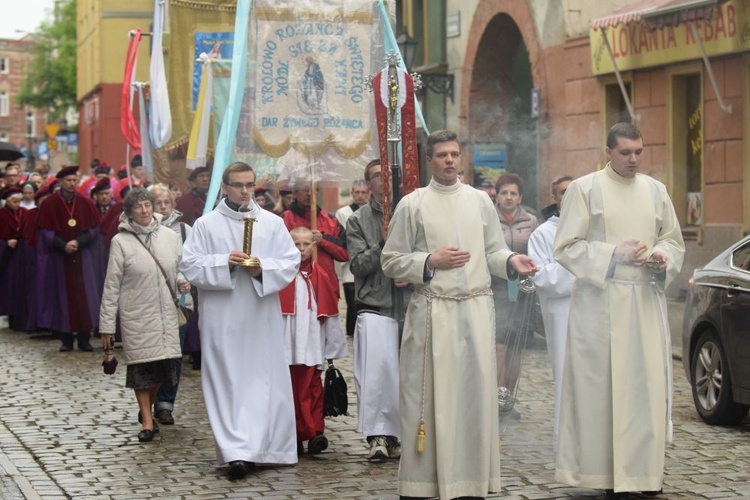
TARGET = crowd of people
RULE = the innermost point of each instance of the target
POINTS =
(120, 258)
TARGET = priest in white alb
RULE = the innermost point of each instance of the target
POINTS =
(245, 375)
(446, 240)
(619, 236)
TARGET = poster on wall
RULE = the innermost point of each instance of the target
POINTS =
(490, 162)
(694, 209)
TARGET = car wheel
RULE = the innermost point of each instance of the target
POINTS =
(712, 383)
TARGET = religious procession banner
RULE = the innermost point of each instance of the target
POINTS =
(195, 26)
(309, 106)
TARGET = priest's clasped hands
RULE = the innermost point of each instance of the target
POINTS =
(453, 257)
(634, 253)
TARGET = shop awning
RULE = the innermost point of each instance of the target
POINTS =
(676, 12)
(659, 13)
(627, 14)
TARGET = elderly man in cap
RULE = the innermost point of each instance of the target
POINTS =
(191, 204)
(101, 193)
(69, 258)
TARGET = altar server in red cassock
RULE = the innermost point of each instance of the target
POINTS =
(312, 333)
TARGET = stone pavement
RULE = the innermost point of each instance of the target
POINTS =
(69, 431)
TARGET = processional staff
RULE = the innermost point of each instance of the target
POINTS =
(395, 113)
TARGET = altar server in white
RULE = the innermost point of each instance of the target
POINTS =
(245, 375)
(553, 286)
(446, 240)
(376, 348)
(620, 238)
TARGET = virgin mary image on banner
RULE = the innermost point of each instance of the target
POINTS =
(312, 98)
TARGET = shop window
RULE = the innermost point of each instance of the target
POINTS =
(425, 21)
(687, 149)
(616, 109)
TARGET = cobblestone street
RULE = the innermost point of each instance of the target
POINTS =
(68, 431)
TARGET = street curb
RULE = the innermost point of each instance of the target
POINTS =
(7, 465)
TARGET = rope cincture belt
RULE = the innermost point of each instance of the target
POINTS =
(487, 292)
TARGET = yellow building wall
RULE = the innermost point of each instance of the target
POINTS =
(102, 32)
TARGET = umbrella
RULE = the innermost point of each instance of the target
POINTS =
(9, 152)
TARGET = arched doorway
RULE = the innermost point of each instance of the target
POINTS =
(499, 117)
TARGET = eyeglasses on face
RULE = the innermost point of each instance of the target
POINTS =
(240, 185)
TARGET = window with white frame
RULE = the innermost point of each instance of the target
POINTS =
(4, 103)
(4, 136)
(30, 124)
(4, 65)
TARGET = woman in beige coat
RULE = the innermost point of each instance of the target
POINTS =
(517, 225)
(136, 288)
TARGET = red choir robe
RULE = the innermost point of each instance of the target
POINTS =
(307, 386)
(10, 259)
(67, 284)
(25, 319)
(191, 205)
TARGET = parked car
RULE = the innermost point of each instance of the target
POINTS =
(716, 336)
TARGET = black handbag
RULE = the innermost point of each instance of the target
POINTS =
(109, 364)
(335, 400)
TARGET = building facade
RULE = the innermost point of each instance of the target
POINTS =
(19, 124)
(103, 28)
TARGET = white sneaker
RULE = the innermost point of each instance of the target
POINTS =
(393, 446)
(378, 449)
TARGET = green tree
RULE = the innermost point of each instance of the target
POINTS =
(51, 82)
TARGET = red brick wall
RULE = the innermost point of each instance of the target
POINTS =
(581, 145)
(102, 139)
(722, 144)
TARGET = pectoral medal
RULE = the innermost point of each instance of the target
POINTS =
(71, 210)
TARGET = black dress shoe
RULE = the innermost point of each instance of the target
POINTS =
(85, 347)
(300, 448)
(146, 435)
(317, 444)
(238, 469)
(652, 493)
(66, 348)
